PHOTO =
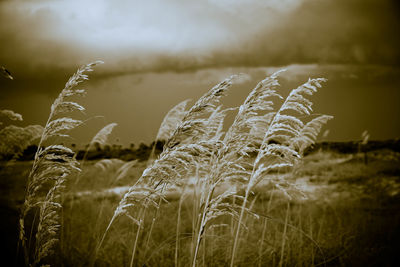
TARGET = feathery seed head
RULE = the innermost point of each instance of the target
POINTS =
(102, 136)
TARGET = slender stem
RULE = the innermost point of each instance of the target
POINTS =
(202, 226)
(152, 226)
(82, 165)
(102, 240)
(141, 216)
(284, 235)
(204, 251)
(264, 230)
(153, 149)
(212, 246)
(153, 221)
(301, 236)
(134, 246)
(195, 210)
(198, 242)
(262, 242)
(177, 231)
(31, 231)
(235, 243)
(251, 181)
(311, 235)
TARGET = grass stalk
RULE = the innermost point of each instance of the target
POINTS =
(284, 235)
(264, 230)
(202, 226)
(236, 241)
(102, 240)
(141, 216)
(178, 223)
(311, 235)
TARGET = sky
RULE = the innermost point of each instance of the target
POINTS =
(158, 53)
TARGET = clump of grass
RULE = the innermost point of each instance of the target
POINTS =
(52, 165)
(283, 129)
(190, 141)
(199, 146)
(259, 141)
(227, 164)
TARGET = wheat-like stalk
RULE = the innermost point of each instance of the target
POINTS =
(172, 120)
(49, 221)
(198, 145)
(309, 133)
(107, 164)
(51, 166)
(365, 137)
(169, 124)
(189, 139)
(188, 144)
(227, 165)
(194, 124)
(283, 128)
(123, 171)
(101, 138)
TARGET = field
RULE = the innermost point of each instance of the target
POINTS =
(202, 194)
(350, 217)
(204, 133)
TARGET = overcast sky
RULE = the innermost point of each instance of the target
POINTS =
(158, 53)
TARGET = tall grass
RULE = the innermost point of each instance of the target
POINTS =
(188, 143)
(283, 128)
(198, 146)
(268, 135)
(53, 163)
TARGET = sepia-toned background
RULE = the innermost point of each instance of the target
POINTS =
(158, 53)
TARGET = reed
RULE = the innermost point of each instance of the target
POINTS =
(53, 163)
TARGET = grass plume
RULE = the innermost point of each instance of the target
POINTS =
(52, 165)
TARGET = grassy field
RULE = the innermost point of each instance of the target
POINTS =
(349, 218)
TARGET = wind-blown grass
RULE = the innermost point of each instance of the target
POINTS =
(225, 164)
(282, 129)
(189, 142)
(170, 122)
(199, 146)
(52, 165)
(100, 139)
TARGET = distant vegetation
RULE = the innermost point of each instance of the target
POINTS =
(143, 151)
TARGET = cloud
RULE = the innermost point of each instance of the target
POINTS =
(43, 42)
(41, 36)
(158, 53)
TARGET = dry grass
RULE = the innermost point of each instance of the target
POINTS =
(245, 205)
(52, 165)
(353, 221)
